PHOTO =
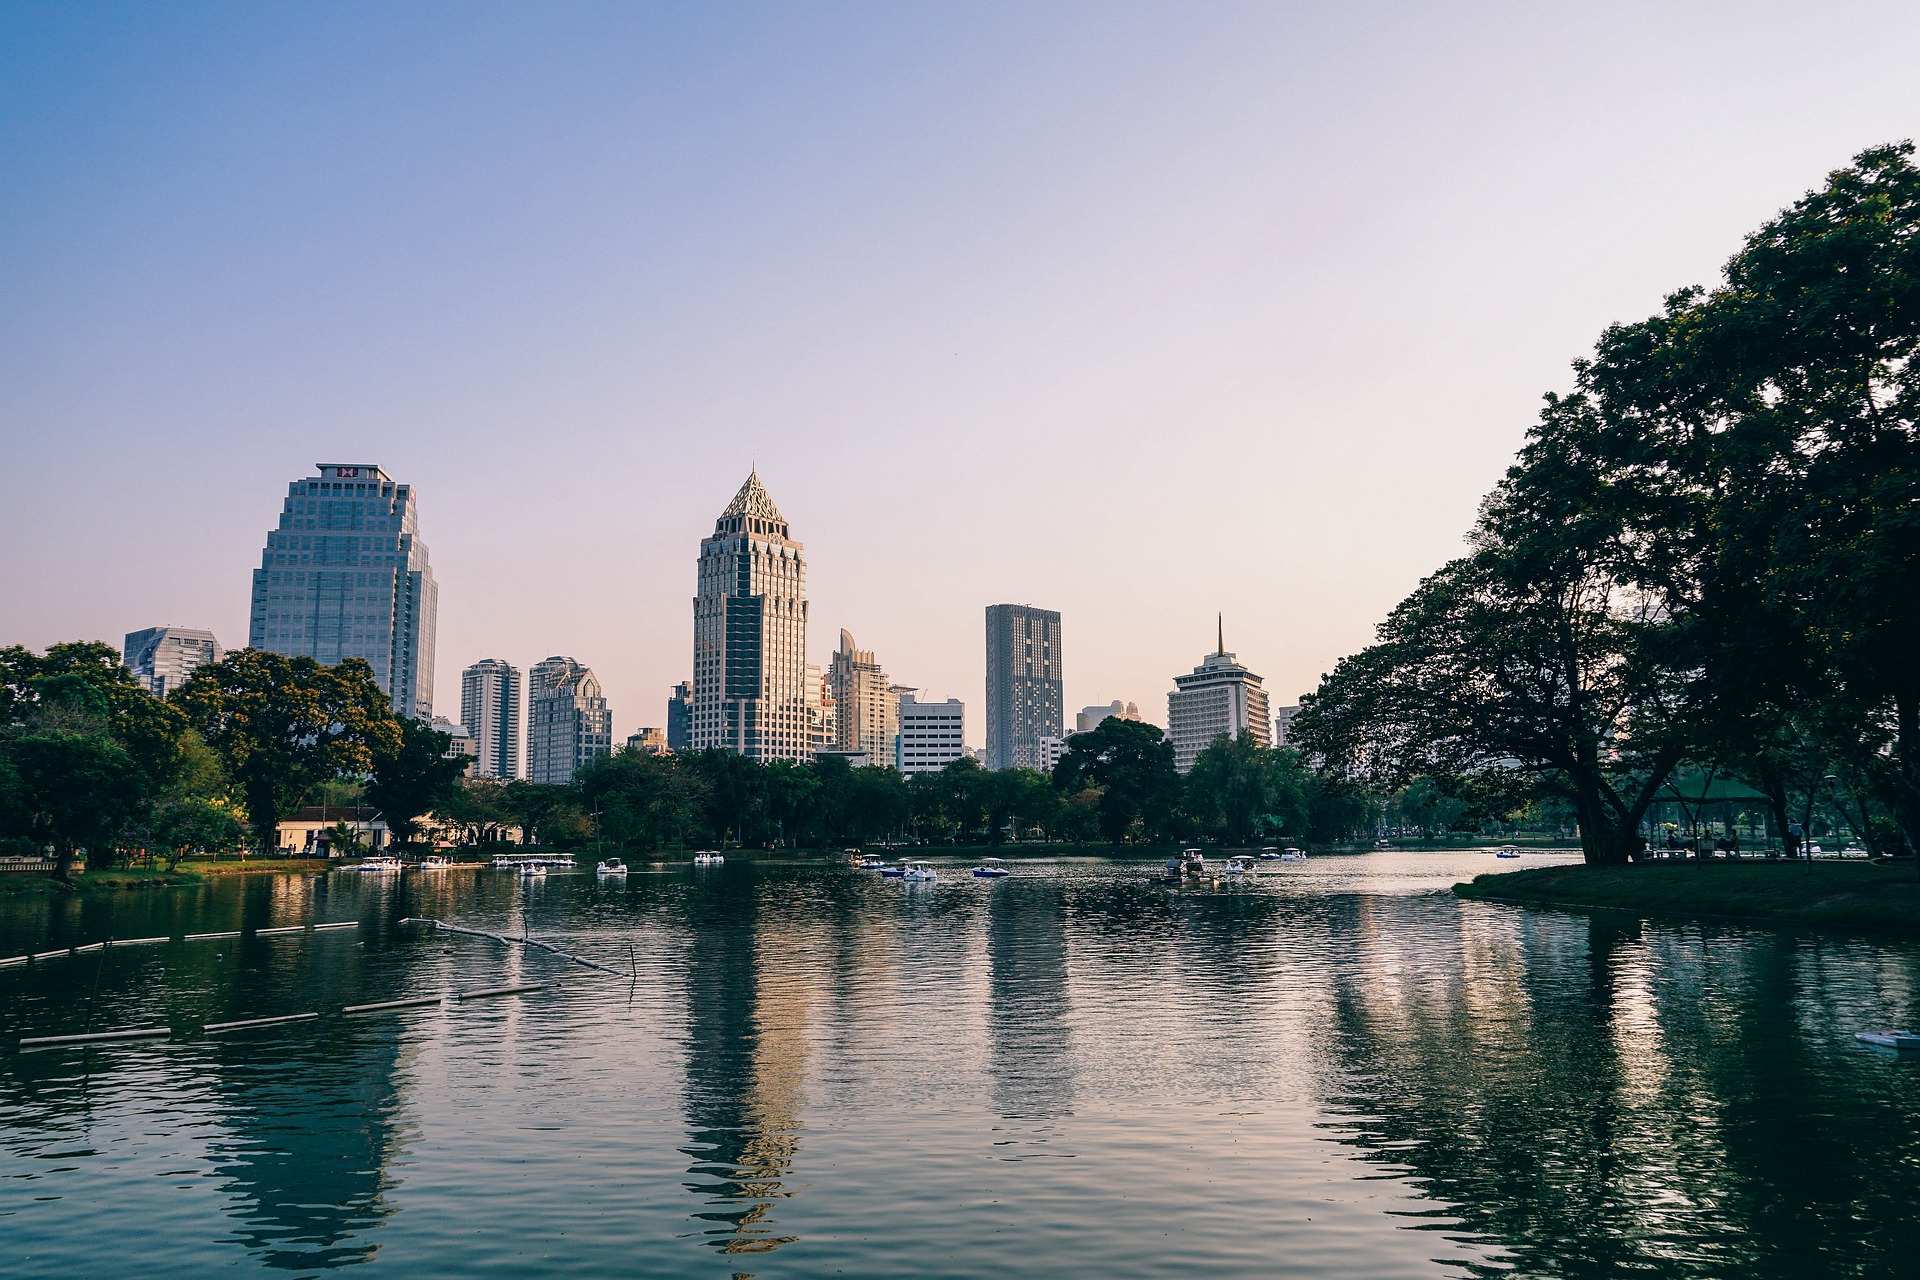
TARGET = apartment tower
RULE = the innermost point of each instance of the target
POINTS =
(490, 709)
(1024, 699)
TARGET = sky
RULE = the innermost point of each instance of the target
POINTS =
(1142, 312)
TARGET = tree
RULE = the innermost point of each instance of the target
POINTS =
(1131, 764)
(282, 725)
(182, 826)
(416, 778)
(1238, 790)
(73, 791)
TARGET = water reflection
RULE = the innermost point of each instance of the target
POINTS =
(1030, 1048)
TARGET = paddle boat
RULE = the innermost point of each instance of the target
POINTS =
(1188, 864)
(990, 869)
(610, 869)
(533, 871)
(380, 864)
(918, 871)
(707, 858)
(1506, 851)
(435, 862)
(1269, 854)
(1241, 865)
(1890, 1039)
(1292, 855)
(892, 872)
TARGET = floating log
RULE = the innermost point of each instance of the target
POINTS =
(134, 942)
(141, 1033)
(14, 960)
(91, 946)
(416, 1003)
(516, 989)
(215, 1028)
(48, 955)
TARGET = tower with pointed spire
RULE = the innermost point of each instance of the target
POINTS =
(750, 634)
(1220, 698)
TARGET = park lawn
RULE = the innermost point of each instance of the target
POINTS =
(1846, 894)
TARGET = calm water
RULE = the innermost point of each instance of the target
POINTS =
(1338, 1070)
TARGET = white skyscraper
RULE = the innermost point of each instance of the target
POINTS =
(750, 634)
(1219, 697)
(568, 723)
(490, 709)
(932, 734)
(345, 575)
(161, 658)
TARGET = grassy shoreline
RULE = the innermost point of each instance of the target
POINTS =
(1854, 895)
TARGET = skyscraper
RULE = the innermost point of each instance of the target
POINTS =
(568, 723)
(161, 658)
(750, 634)
(680, 716)
(866, 708)
(346, 576)
(1024, 699)
(490, 708)
(932, 734)
(1220, 697)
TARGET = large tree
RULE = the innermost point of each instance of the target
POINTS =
(415, 778)
(1130, 763)
(283, 725)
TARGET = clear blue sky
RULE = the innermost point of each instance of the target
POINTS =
(1141, 312)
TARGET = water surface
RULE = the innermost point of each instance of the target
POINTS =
(1337, 1070)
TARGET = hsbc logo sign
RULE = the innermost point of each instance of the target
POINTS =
(346, 473)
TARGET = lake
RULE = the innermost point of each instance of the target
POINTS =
(803, 1070)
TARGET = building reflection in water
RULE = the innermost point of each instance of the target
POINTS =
(1030, 1046)
(1538, 1092)
(309, 1138)
(749, 992)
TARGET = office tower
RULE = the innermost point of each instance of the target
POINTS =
(680, 716)
(1024, 700)
(1219, 697)
(750, 634)
(568, 724)
(866, 707)
(346, 576)
(490, 708)
(1091, 717)
(932, 734)
(1281, 720)
(823, 720)
(648, 741)
(460, 742)
(161, 658)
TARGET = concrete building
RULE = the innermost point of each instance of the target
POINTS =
(680, 716)
(161, 658)
(1047, 753)
(345, 575)
(1024, 699)
(750, 634)
(932, 734)
(490, 708)
(461, 741)
(1091, 717)
(649, 742)
(866, 704)
(1219, 697)
(568, 723)
(1281, 719)
(823, 718)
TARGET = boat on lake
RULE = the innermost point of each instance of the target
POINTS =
(1188, 864)
(435, 862)
(533, 871)
(611, 867)
(1890, 1039)
(990, 869)
(1241, 865)
(707, 858)
(918, 871)
(380, 864)
(1506, 851)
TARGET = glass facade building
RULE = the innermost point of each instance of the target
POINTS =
(345, 575)
(161, 658)
(1024, 689)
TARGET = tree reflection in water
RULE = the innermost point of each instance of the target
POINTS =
(1600, 1096)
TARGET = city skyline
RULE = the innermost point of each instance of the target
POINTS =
(1027, 270)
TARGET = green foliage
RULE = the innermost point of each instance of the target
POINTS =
(185, 826)
(1239, 791)
(415, 778)
(1130, 763)
(283, 725)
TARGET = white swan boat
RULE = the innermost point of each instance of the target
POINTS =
(1188, 864)
(379, 865)
(918, 871)
(435, 862)
(707, 858)
(1240, 865)
(533, 871)
(611, 867)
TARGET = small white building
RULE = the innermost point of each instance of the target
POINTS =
(308, 833)
(1047, 753)
(932, 734)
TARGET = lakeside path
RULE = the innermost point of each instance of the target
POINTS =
(1859, 895)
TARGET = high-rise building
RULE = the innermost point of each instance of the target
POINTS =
(161, 658)
(680, 716)
(648, 741)
(1047, 753)
(750, 634)
(1282, 718)
(345, 575)
(490, 708)
(1091, 717)
(1220, 697)
(1024, 700)
(568, 723)
(866, 705)
(932, 734)
(460, 741)
(823, 718)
